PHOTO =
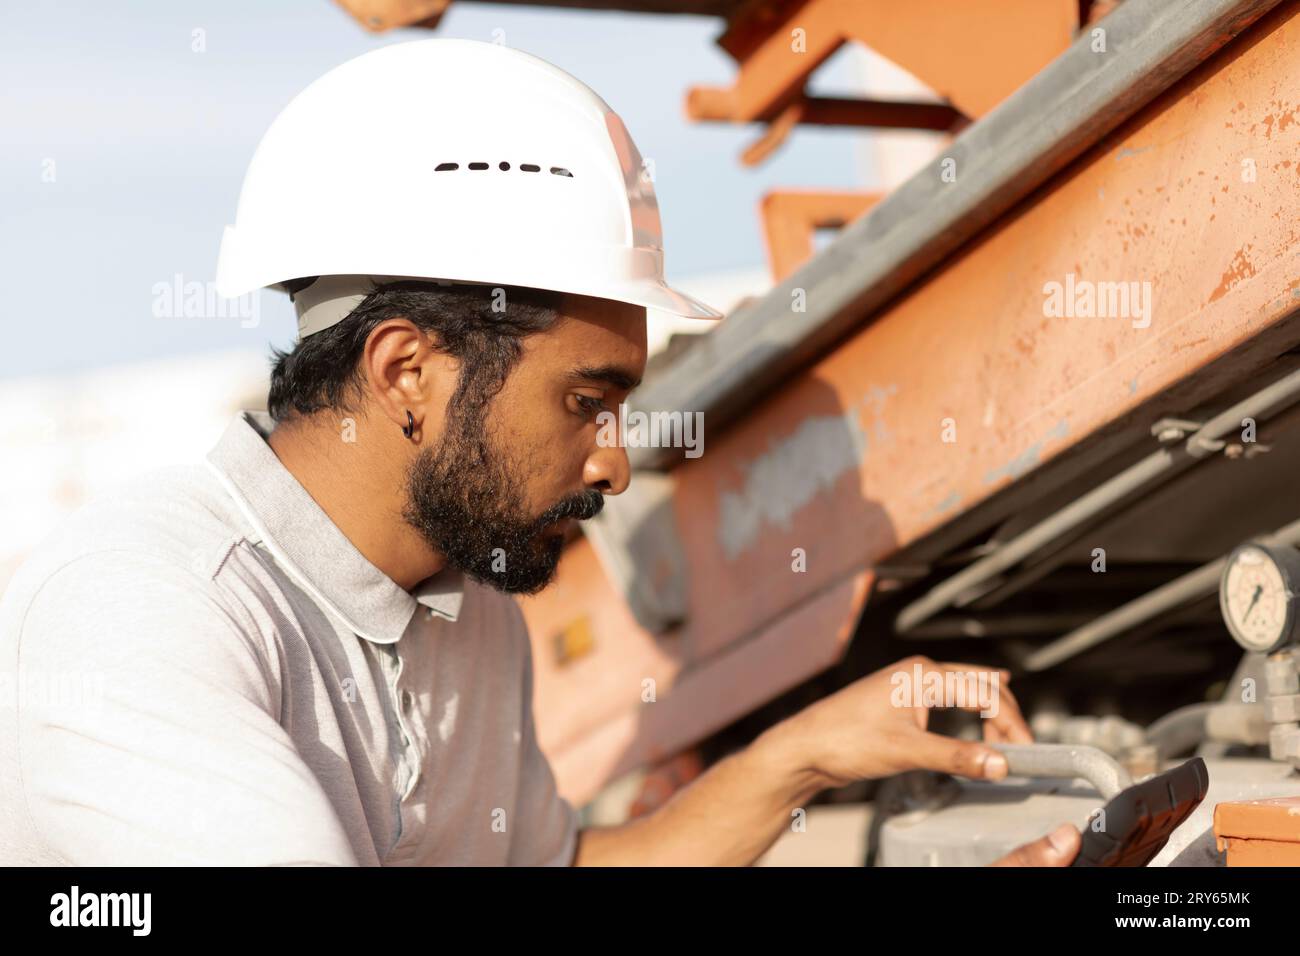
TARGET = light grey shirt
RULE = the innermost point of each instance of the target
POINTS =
(204, 670)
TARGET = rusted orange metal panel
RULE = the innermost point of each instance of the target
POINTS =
(1260, 852)
(637, 700)
(933, 39)
(1259, 832)
(1196, 195)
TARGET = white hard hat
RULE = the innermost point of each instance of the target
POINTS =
(448, 159)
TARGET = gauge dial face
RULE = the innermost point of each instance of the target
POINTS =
(1255, 599)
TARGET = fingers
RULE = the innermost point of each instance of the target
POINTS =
(1004, 675)
(966, 758)
(1003, 722)
(1058, 848)
(1008, 723)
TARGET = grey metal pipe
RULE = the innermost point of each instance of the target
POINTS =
(1159, 465)
(1180, 730)
(1063, 110)
(1238, 724)
(1074, 514)
(1177, 593)
(1187, 727)
(1069, 762)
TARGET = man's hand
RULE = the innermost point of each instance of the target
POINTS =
(869, 730)
(1058, 848)
(737, 809)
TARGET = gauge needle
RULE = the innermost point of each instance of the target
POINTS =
(1259, 589)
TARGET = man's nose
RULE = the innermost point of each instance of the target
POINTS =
(608, 470)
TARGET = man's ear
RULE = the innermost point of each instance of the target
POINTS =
(405, 368)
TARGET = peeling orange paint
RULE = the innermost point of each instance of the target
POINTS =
(1240, 269)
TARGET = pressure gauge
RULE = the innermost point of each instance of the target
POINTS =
(1258, 594)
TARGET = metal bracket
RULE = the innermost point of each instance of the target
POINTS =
(1170, 430)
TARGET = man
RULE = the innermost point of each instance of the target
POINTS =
(303, 651)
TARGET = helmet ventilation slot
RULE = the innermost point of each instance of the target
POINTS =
(503, 166)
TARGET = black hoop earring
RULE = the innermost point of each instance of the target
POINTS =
(409, 428)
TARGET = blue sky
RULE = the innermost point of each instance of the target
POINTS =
(148, 142)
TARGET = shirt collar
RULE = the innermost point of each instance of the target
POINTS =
(312, 549)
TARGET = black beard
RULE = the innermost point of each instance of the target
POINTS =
(467, 503)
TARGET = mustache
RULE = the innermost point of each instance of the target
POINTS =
(580, 506)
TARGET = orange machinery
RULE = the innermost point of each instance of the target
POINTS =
(905, 435)
(1259, 832)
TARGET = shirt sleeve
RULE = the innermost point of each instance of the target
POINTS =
(147, 733)
(546, 823)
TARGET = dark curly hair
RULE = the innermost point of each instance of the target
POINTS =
(321, 372)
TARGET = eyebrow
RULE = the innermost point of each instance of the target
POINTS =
(614, 375)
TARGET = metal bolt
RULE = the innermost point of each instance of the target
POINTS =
(1280, 674)
(1284, 709)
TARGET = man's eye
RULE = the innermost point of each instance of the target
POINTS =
(590, 406)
